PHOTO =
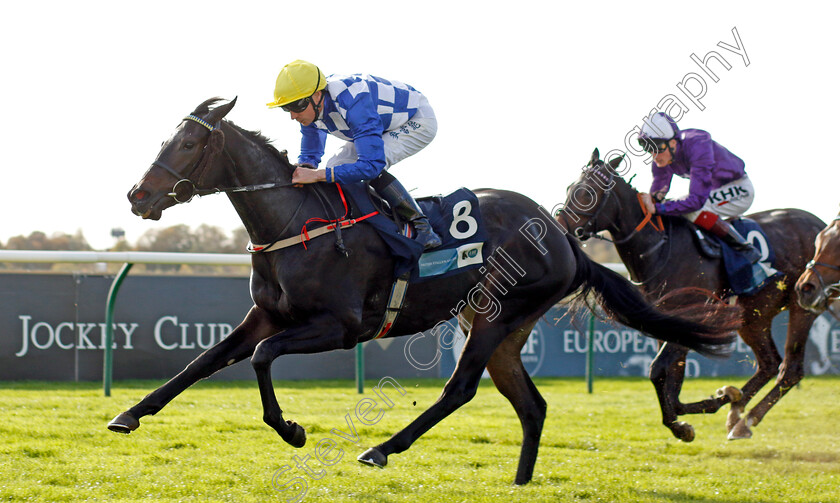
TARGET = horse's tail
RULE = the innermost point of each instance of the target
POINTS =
(707, 328)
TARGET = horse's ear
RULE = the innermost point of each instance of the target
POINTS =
(220, 112)
(596, 156)
(615, 162)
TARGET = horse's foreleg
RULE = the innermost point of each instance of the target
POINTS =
(460, 389)
(237, 346)
(321, 334)
(791, 371)
(667, 372)
(759, 339)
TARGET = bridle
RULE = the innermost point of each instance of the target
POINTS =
(215, 145)
(185, 189)
(585, 231)
(831, 291)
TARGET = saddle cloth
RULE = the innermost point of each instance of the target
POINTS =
(456, 218)
(746, 278)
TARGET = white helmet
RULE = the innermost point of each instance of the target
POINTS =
(657, 130)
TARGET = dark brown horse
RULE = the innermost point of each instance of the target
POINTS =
(820, 283)
(313, 300)
(668, 260)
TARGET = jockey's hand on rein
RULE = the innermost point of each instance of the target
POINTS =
(306, 173)
(647, 200)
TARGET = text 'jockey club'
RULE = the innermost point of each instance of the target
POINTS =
(168, 333)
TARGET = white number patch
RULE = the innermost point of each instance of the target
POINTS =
(461, 213)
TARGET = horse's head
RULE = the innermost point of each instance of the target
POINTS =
(587, 198)
(183, 162)
(820, 283)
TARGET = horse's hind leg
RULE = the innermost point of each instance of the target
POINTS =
(509, 376)
(667, 372)
(790, 373)
(483, 340)
(237, 346)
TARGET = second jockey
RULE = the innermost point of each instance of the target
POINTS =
(718, 183)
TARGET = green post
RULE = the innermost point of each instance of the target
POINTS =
(108, 360)
(590, 335)
(360, 368)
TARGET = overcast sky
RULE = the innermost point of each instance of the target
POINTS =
(523, 92)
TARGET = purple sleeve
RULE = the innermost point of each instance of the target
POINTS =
(661, 179)
(700, 158)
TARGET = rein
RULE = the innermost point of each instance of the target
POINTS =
(582, 232)
(333, 225)
(649, 218)
(184, 189)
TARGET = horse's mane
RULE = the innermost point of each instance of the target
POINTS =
(256, 137)
(260, 140)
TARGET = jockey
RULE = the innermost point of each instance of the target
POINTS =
(718, 186)
(383, 122)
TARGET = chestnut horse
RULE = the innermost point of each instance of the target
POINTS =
(310, 300)
(668, 260)
(817, 289)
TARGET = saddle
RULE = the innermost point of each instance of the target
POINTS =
(745, 278)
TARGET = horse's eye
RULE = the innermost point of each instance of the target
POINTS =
(188, 146)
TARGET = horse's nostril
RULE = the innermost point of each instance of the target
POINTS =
(139, 195)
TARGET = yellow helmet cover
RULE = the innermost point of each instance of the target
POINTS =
(297, 80)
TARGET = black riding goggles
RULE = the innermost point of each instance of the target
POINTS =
(653, 146)
(297, 106)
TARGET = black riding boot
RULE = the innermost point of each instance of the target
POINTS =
(391, 190)
(733, 238)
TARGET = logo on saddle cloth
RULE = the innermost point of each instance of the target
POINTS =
(457, 220)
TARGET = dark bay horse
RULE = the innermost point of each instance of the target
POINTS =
(668, 260)
(309, 300)
(820, 283)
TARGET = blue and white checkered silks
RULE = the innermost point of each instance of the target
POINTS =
(373, 113)
(395, 103)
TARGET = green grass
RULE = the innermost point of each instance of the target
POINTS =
(210, 444)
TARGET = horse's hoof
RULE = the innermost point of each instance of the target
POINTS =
(740, 432)
(373, 457)
(683, 431)
(298, 438)
(124, 423)
(731, 392)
